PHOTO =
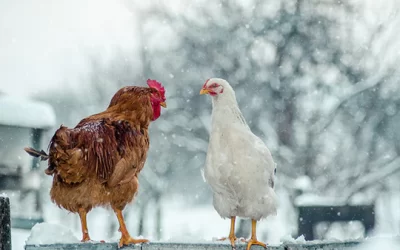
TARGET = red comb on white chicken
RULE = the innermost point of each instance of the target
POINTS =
(239, 167)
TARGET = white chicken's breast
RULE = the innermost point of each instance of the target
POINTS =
(239, 167)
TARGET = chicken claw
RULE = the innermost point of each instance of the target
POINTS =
(85, 238)
(252, 241)
(232, 238)
(129, 240)
(126, 239)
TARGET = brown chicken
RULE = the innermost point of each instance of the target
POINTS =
(97, 163)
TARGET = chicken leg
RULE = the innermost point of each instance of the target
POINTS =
(85, 232)
(231, 237)
(253, 240)
(126, 239)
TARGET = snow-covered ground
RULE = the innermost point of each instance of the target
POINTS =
(18, 238)
(47, 233)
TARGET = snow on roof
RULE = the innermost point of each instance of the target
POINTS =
(316, 200)
(310, 199)
(24, 112)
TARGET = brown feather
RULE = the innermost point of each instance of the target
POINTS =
(97, 162)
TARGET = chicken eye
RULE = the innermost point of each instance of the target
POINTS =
(157, 95)
(214, 85)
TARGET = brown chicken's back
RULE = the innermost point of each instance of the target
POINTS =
(97, 162)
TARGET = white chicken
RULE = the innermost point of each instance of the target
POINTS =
(239, 167)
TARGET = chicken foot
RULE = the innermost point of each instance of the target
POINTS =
(126, 239)
(253, 240)
(85, 232)
(232, 237)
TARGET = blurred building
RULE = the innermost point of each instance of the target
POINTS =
(22, 123)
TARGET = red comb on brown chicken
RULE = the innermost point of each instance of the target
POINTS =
(97, 163)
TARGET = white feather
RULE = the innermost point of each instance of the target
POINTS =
(239, 167)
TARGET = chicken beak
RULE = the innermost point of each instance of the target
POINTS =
(164, 104)
(204, 91)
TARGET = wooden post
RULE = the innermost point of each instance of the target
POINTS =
(37, 144)
(5, 224)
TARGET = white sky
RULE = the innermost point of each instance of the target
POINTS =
(44, 43)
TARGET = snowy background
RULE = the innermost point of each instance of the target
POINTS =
(318, 81)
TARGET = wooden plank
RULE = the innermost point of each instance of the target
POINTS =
(5, 224)
(80, 246)
(191, 246)
(150, 246)
(202, 246)
(322, 246)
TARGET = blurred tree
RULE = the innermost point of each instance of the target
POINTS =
(299, 76)
(320, 99)
(282, 57)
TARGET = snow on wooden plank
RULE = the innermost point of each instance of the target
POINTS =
(367, 244)
(80, 246)
(202, 246)
(191, 246)
(150, 246)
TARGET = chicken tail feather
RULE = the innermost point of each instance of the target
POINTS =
(35, 153)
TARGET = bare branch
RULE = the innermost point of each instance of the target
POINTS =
(374, 177)
(352, 91)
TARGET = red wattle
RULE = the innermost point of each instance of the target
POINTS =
(156, 110)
